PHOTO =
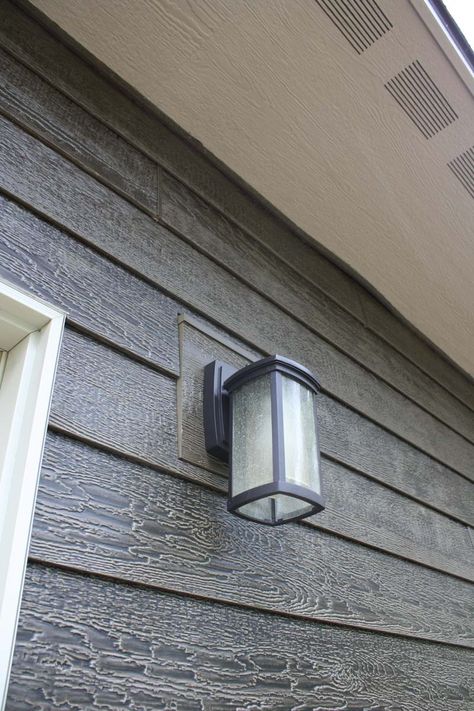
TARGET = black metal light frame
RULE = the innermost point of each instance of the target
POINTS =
(220, 381)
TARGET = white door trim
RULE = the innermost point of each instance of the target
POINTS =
(30, 333)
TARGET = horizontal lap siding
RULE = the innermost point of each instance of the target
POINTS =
(90, 221)
(384, 520)
(344, 434)
(108, 398)
(61, 122)
(103, 515)
(159, 651)
(71, 129)
(110, 383)
(105, 300)
(99, 296)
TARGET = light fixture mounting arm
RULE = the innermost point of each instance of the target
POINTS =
(216, 408)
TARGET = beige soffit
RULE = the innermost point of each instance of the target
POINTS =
(337, 122)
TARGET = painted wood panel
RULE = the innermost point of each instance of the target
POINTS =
(158, 651)
(98, 295)
(357, 442)
(230, 246)
(366, 511)
(105, 406)
(61, 67)
(346, 436)
(106, 398)
(136, 240)
(98, 396)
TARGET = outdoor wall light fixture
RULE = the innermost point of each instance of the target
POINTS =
(262, 419)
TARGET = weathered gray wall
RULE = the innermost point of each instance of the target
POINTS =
(142, 592)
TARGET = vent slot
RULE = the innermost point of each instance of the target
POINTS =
(362, 22)
(416, 93)
(463, 169)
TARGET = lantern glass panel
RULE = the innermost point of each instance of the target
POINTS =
(300, 436)
(261, 510)
(278, 507)
(288, 507)
(252, 457)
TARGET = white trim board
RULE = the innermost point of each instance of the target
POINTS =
(30, 336)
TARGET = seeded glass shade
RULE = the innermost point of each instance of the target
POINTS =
(274, 449)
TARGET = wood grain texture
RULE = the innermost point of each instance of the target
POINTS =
(219, 238)
(98, 295)
(36, 105)
(114, 402)
(50, 58)
(106, 398)
(105, 405)
(104, 515)
(86, 643)
(163, 652)
(345, 435)
(52, 185)
(366, 511)
(110, 399)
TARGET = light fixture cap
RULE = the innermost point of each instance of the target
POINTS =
(272, 363)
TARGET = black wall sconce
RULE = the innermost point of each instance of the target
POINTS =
(262, 420)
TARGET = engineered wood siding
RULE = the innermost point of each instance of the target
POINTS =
(142, 592)
(99, 296)
(108, 398)
(384, 519)
(109, 383)
(99, 514)
(101, 151)
(161, 651)
(107, 301)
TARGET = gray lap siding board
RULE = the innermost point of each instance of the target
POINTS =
(140, 430)
(114, 498)
(152, 529)
(344, 433)
(53, 61)
(162, 652)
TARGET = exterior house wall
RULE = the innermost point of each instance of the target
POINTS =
(141, 591)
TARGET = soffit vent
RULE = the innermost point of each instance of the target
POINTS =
(463, 169)
(362, 22)
(417, 94)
